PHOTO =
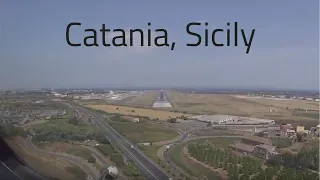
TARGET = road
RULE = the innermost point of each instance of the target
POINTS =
(88, 169)
(149, 169)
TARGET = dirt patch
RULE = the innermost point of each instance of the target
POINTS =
(56, 147)
(47, 166)
(161, 143)
(160, 152)
(222, 173)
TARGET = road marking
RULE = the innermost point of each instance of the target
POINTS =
(123, 145)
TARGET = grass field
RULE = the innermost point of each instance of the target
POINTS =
(234, 105)
(133, 111)
(185, 103)
(77, 172)
(183, 161)
(61, 125)
(144, 131)
(290, 104)
(80, 152)
(109, 151)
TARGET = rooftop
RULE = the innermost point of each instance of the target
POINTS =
(257, 139)
(267, 147)
(242, 146)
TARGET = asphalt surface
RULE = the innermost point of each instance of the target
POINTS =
(149, 169)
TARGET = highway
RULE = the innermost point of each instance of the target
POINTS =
(149, 169)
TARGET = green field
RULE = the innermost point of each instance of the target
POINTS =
(109, 151)
(313, 115)
(61, 130)
(144, 131)
(61, 125)
(151, 151)
(81, 152)
(77, 172)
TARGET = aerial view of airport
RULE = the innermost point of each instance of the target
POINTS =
(162, 134)
(159, 90)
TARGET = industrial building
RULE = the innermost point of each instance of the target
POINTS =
(255, 146)
(299, 128)
(232, 120)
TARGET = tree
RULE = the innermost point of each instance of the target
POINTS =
(73, 120)
(91, 159)
(101, 138)
(275, 160)
(172, 120)
(299, 137)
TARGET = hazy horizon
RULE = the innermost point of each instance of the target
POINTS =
(170, 88)
(284, 53)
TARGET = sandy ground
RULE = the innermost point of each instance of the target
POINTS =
(160, 143)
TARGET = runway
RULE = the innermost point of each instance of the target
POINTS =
(162, 101)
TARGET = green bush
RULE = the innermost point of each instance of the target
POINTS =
(8, 130)
(91, 159)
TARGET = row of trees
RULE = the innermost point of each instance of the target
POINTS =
(74, 120)
(281, 142)
(243, 167)
(66, 136)
(304, 159)
(9, 130)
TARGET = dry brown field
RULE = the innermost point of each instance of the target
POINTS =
(133, 111)
(214, 104)
(232, 105)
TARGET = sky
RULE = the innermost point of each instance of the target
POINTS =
(284, 53)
